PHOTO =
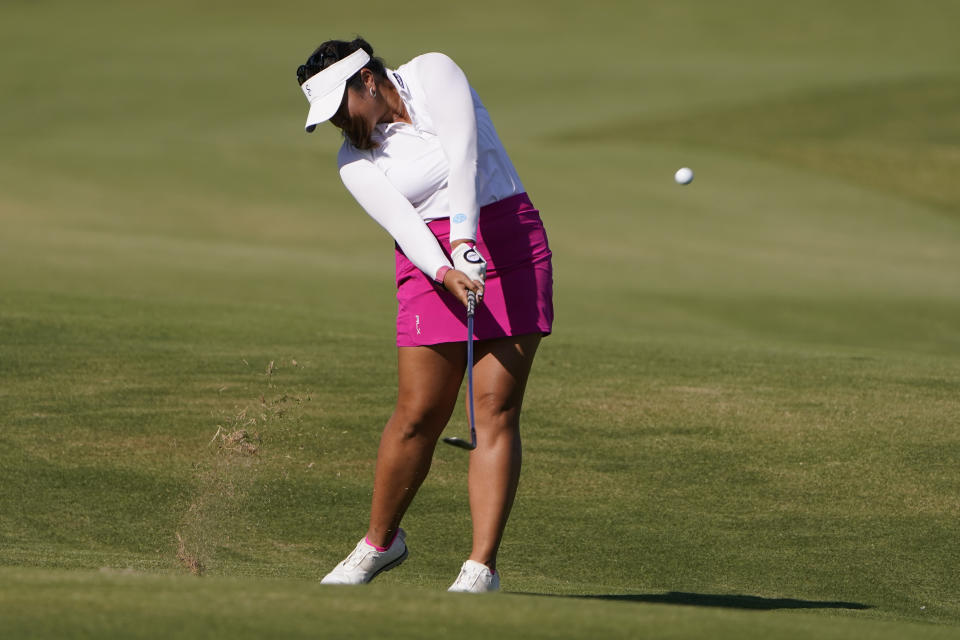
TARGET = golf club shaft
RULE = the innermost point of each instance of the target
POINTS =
(458, 442)
(471, 308)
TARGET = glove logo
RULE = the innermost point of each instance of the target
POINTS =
(472, 257)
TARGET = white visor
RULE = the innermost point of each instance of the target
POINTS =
(324, 90)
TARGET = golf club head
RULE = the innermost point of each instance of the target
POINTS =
(458, 442)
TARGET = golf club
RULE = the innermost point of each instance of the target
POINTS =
(459, 442)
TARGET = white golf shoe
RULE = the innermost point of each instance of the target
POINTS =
(475, 578)
(365, 563)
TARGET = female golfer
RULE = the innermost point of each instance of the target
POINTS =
(421, 156)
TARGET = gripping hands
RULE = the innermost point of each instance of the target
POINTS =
(467, 259)
(468, 273)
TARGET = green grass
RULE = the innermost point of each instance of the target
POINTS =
(121, 603)
(743, 426)
(130, 605)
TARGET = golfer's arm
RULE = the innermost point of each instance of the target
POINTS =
(450, 102)
(393, 212)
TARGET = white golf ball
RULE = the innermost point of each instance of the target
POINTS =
(684, 175)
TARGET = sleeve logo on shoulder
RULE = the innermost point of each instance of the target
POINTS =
(399, 80)
(460, 217)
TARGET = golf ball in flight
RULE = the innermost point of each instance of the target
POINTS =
(684, 175)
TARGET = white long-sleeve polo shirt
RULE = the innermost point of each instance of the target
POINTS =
(447, 164)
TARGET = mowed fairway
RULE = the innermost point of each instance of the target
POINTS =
(744, 425)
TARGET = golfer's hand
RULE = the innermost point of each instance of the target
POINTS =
(458, 283)
(467, 259)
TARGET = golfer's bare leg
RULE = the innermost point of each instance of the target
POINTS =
(499, 380)
(428, 384)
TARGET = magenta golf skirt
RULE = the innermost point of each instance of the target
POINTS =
(518, 291)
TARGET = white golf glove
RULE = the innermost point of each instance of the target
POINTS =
(467, 259)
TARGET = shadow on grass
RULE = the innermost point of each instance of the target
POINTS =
(725, 601)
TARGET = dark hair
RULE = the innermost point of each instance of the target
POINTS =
(333, 51)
